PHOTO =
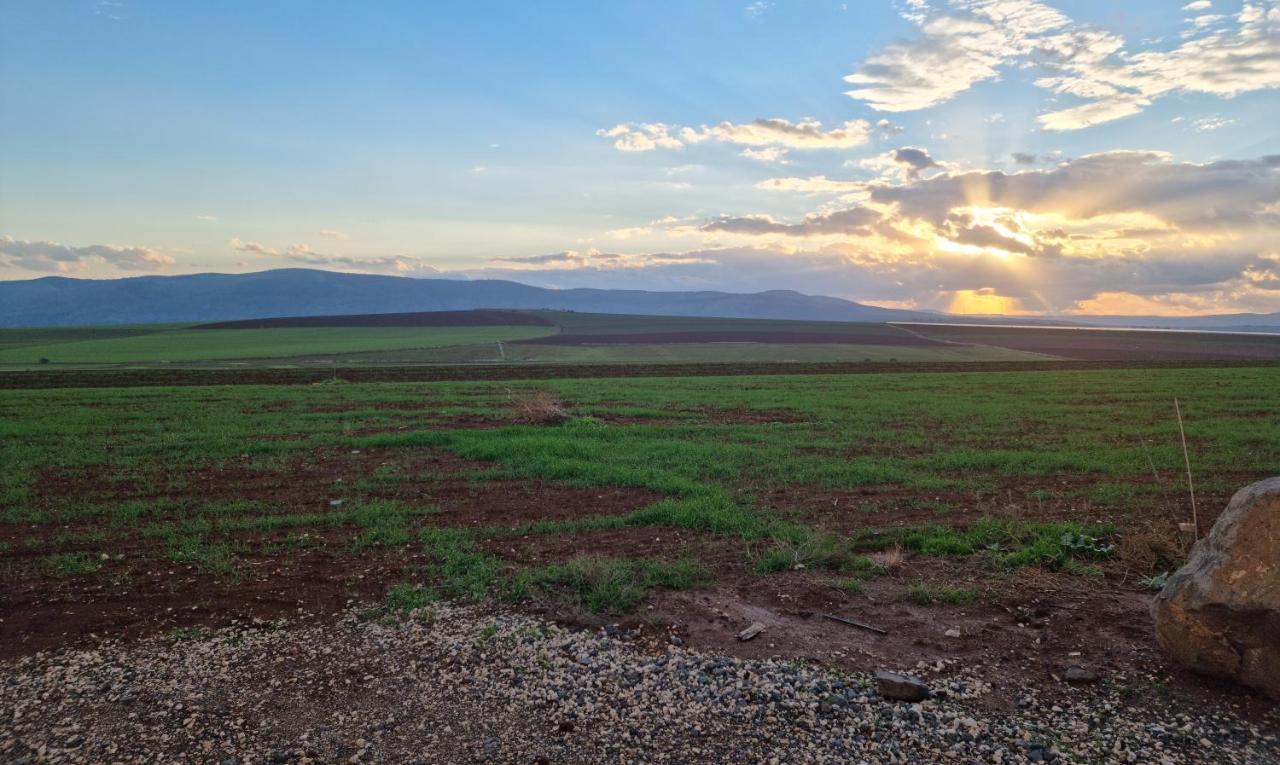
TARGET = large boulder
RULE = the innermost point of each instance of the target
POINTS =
(1220, 613)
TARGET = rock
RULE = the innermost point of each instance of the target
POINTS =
(1079, 674)
(755, 629)
(952, 633)
(899, 687)
(1220, 613)
(676, 640)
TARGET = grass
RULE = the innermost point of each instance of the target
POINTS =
(208, 475)
(406, 598)
(1012, 544)
(926, 593)
(189, 345)
(71, 564)
(463, 570)
(813, 550)
(603, 585)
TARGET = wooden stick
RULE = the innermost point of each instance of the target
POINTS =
(852, 623)
(1195, 520)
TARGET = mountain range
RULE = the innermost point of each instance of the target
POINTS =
(61, 301)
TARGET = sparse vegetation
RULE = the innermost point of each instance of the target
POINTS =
(927, 593)
(406, 598)
(71, 564)
(606, 585)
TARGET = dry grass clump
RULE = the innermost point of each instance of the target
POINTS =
(890, 558)
(1161, 545)
(539, 407)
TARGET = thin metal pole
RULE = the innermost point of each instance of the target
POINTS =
(1186, 456)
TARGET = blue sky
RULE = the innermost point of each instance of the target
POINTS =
(638, 144)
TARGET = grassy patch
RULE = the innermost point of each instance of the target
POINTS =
(925, 593)
(606, 585)
(1012, 544)
(464, 570)
(852, 585)
(815, 551)
(407, 598)
(71, 564)
(214, 558)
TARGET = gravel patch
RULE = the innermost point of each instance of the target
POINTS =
(470, 684)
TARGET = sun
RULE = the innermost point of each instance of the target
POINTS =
(984, 301)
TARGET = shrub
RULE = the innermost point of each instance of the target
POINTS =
(539, 407)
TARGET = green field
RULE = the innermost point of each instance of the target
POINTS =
(190, 345)
(761, 340)
(678, 353)
(990, 467)
(571, 339)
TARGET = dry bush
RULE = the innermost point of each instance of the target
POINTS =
(890, 558)
(538, 407)
(1159, 546)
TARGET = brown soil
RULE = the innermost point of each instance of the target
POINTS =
(141, 591)
(510, 503)
(1112, 345)
(779, 338)
(1024, 630)
(44, 615)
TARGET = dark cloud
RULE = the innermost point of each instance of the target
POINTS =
(914, 160)
(1225, 193)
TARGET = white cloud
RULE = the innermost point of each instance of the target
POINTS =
(818, 184)
(206, 218)
(851, 222)
(775, 131)
(403, 265)
(767, 154)
(255, 248)
(592, 260)
(1198, 5)
(975, 40)
(52, 257)
(640, 136)
(329, 233)
(772, 132)
(953, 52)
(1212, 122)
(757, 8)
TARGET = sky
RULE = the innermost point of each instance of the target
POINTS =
(976, 156)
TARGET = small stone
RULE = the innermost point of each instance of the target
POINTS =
(755, 629)
(899, 687)
(1079, 674)
(952, 633)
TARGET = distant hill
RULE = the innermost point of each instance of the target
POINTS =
(59, 301)
(293, 292)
